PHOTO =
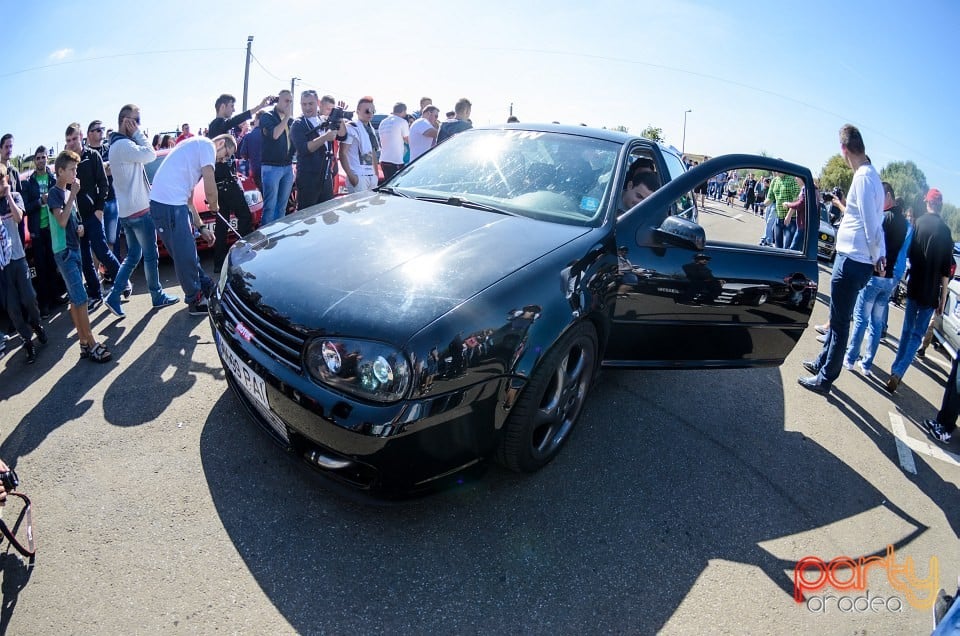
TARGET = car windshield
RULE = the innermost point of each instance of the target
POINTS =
(564, 178)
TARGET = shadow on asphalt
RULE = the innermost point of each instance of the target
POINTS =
(610, 537)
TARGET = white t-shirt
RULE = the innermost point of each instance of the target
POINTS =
(419, 142)
(860, 235)
(181, 169)
(392, 131)
(360, 152)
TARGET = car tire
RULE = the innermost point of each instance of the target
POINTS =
(549, 405)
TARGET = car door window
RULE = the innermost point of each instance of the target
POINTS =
(741, 207)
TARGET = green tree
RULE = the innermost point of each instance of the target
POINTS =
(620, 128)
(909, 184)
(836, 173)
(654, 134)
(951, 216)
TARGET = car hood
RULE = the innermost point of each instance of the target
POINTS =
(382, 266)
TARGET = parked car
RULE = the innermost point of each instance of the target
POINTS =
(827, 236)
(946, 327)
(250, 192)
(461, 311)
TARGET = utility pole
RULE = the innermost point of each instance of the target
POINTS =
(683, 144)
(246, 72)
(293, 81)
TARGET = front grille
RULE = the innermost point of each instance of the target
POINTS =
(281, 344)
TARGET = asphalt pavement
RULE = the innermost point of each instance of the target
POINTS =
(681, 504)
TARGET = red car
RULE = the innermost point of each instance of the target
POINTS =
(250, 193)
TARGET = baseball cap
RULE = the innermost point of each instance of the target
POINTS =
(933, 195)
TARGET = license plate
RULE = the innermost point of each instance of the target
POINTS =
(252, 383)
(212, 226)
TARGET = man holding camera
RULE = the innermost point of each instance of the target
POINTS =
(229, 191)
(276, 157)
(313, 136)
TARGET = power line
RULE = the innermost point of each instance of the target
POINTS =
(260, 64)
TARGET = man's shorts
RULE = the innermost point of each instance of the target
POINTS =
(70, 268)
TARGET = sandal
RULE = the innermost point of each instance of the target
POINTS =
(97, 353)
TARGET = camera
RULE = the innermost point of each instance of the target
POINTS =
(9, 480)
(273, 100)
(336, 117)
(827, 197)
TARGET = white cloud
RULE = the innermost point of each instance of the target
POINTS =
(60, 54)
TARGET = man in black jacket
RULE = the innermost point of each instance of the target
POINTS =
(48, 282)
(313, 138)
(229, 191)
(93, 193)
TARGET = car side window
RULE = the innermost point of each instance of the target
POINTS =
(743, 207)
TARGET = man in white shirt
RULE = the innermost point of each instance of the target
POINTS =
(860, 252)
(423, 132)
(171, 205)
(359, 152)
(394, 132)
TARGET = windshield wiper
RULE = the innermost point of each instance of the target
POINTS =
(460, 202)
(391, 190)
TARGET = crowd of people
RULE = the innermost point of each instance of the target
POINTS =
(74, 210)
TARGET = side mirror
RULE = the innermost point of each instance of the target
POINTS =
(681, 232)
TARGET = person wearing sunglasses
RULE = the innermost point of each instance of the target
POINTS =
(129, 152)
(360, 151)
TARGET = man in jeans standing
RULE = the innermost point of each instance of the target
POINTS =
(171, 205)
(90, 202)
(931, 255)
(870, 314)
(276, 157)
(860, 252)
(129, 151)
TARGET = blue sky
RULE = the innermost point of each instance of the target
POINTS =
(757, 76)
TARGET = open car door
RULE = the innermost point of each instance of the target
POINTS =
(712, 292)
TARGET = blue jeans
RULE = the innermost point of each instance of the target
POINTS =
(94, 240)
(869, 318)
(849, 277)
(175, 229)
(783, 232)
(141, 234)
(277, 184)
(70, 266)
(111, 217)
(916, 319)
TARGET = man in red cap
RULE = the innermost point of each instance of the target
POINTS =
(931, 256)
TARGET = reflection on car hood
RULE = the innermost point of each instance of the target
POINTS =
(384, 265)
(827, 229)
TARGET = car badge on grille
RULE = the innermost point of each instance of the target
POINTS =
(244, 332)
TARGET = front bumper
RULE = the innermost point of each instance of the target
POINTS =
(400, 448)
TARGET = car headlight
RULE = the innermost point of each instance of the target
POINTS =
(365, 369)
(252, 197)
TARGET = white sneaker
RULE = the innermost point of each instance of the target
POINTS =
(848, 365)
(867, 373)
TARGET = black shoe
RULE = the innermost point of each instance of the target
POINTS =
(199, 306)
(41, 333)
(93, 304)
(811, 366)
(814, 384)
(922, 353)
(31, 353)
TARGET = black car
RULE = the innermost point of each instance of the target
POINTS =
(462, 311)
